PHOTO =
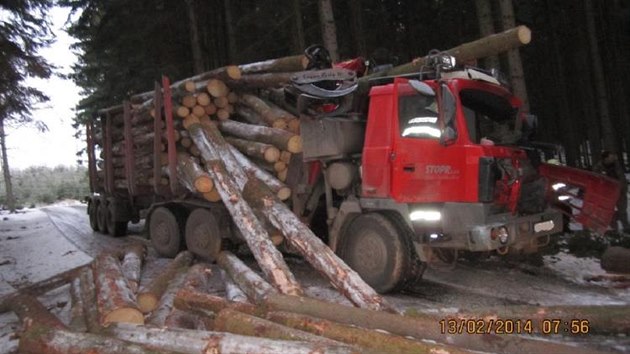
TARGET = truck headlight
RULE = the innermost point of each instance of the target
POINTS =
(558, 186)
(425, 215)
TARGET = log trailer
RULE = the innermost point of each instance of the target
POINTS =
(414, 169)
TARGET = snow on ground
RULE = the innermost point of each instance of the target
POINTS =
(572, 268)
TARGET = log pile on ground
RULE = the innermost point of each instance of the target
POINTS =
(191, 317)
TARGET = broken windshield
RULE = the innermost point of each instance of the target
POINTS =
(490, 118)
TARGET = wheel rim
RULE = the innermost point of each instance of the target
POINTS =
(164, 232)
(202, 234)
(369, 255)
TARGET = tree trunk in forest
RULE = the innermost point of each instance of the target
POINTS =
(358, 35)
(8, 185)
(232, 51)
(195, 43)
(486, 28)
(517, 77)
(115, 300)
(298, 42)
(329, 29)
(608, 131)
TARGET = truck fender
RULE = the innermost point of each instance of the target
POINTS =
(348, 210)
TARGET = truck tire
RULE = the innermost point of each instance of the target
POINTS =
(202, 234)
(114, 227)
(91, 209)
(374, 248)
(101, 217)
(165, 232)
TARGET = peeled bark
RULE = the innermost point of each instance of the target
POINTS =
(378, 341)
(194, 342)
(281, 139)
(232, 321)
(268, 257)
(416, 328)
(252, 284)
(131, 265)
(115, 300)
(255, 149)
(149, 296)
(280, 189)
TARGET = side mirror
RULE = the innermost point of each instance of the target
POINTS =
(422, 88)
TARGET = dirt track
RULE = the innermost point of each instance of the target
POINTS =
(37, 244)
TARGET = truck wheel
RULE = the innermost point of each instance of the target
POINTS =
(203, 237)
(92, 205)
(114, 228)
(374, 248)
(164, 232)
(101, 217)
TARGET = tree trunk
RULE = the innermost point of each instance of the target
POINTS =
(608, 131)
(358, 34)
(230, 33)
(29, 310)
(298, 27)
(268, 257)
(278, 65)
(88, 298)
(252, 284)
(255, 150)
(232, 321)
(249, 116)
(279, 138)
(329, 29)
(421, 329)
(275, 118)
(232, 291)
(115, 300)
(8, 185)
(256, 81)
(486, 28)
(378, 341)
(517, 77)
(131, 264)
(195, 44)
(150, 295)
(193, 174)
(193, 342)
(280, 189)
(165, 305)
(206, 304)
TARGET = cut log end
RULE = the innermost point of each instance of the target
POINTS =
(191, 120)
(124, 315)
(233, 72)
(212, 196)
(524, 34)
(223, 114)
(279, 124)
(284, 193)
(217, 88)
(190, 86)
(295, 144)
(147, 302)
(272, 154)
(204, 184)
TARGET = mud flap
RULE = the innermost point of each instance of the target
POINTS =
(592, 197)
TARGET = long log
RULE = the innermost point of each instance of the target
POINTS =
(414, 327)
(232, 291)
(272, 117)
(605, 319)
(38, 339)
(88, 298)
(115, 300)
(149, 296)
(232, 321)
(194, 342)
(281, 139)
(165, 305)
(375, 340)
(280, 189)
(209, 305)
(257, 81)
(255, 149)
(285, 64)
(29, 310)
(249, 116)
(193, 173)
(268, 257)
(77, 316)
(131, 264)
(252, 284)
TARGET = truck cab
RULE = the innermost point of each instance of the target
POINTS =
(440, 173)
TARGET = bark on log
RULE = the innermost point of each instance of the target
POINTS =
(193, 173)
(115, 300)
(255, 149)
(181, 319)
(616, 260)
(232, 321)
(197, 277)
(281, 139)
(272, 117)
(88, 298)
(29, 310)
(258, 81)
(165, 305)
(280, 189)
(413, 327)
(249, 116)
(375, 340)
(38, 339)
(208, 305)
(77, 317)
(606, 319)
(149, 296)
(232, 291)
(252, 284)
(131, 264)
(285, 64)
(194, 342)
(268, 257)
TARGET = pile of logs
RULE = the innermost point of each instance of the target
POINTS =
(177, 311)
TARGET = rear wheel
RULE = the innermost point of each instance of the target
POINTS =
(203, 237)
(114, 227)
(101, 216)
(164, 232)
(92, 205)
(375, 248)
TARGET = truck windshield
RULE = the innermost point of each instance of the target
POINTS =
(488, 116)
(418, 116)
